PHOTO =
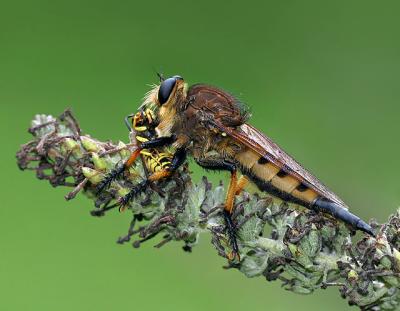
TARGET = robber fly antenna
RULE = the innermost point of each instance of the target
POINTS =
(160, 76)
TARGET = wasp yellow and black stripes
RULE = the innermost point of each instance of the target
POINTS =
(153, 159)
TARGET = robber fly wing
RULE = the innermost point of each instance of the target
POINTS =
(265, 147)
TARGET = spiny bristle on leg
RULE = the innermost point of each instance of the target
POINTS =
(134, 192)
(109, 178)
(231, 232)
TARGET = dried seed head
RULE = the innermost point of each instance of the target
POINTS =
(278, 241)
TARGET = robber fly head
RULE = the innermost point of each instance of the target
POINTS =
(170, 89)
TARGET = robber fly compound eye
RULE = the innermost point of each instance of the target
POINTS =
(166, 88)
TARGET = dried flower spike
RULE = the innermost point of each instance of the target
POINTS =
(304, 250)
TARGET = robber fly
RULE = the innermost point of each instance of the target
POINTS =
(210, 125)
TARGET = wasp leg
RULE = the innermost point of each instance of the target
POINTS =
(177, 160)
(219, 164)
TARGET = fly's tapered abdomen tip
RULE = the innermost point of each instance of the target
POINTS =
(339, 212)
(363, 226)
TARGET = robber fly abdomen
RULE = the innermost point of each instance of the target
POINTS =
(258, 157)
(269, 177)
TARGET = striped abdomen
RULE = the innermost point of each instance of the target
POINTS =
(276, 181)
(155, 159)
(269, 177)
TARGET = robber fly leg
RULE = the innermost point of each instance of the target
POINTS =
(223, 165)
(230, 195)
(117, 172)
(241, 184)
(133, 193)
(231, 230)
(177, 160)
(229, 204)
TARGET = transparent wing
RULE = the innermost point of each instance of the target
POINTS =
(264, 146)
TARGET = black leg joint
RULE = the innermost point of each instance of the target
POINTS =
(178, 159)
(217, 165)
(231, 167)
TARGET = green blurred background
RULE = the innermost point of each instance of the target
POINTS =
(322, 79)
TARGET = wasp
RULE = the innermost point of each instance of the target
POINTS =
(142, 124)
(211, 126)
